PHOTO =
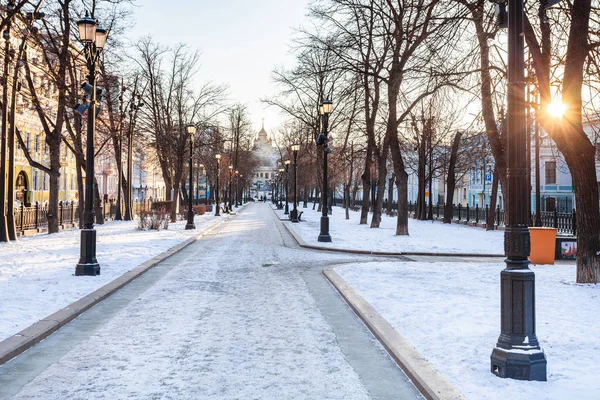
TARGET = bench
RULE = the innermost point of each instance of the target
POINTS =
(299, 215)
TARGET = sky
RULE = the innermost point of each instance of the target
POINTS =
(241, 42)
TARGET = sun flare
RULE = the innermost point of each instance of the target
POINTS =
(556, 109)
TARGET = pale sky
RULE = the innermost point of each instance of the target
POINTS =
(241, 42)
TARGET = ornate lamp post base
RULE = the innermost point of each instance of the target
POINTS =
(523, 365)
(517, 354)
(88, 265)
(324, 236)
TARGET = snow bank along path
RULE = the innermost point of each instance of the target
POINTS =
(37, 273)
(450, 312)
(424, 236)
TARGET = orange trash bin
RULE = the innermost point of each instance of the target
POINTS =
(543, 243)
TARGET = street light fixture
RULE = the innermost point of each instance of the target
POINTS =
(191, 131)
(287, 170)
(93, 38)
(517, 354)
(325, 110)
(217, 200)
(295, 148)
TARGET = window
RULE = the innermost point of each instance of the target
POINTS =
(550, 204)
(35, 179)
(37, 143)
(261, 174)
(464, 193)
(28, 140)
(550, 172)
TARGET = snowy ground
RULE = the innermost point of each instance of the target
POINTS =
(450, 312)
(37, 272)
(424, 236)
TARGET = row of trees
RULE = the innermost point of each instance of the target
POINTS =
(405, 73)
(150, 93)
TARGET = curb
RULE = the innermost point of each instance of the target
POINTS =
(426, 378)
(32, 335)
(303, 244)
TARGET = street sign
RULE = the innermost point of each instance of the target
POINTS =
(488, 177)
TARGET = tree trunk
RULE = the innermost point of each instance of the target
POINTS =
(354, 191)
(588, 221)
(80, 191)
(366, 191)
(175, 204)
(390, 194)
(54, 186)
(381, 180)
(420, 213)
(402, 221)
(347, 199)
(451, 180)
(489, 223)
(98, 202)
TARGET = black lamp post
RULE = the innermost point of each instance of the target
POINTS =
(217, 200)
(135, 104)
(230, 206)
(241, 190)
(325, 110)
(237, 187)
(295, 148)
(287, 171)
(118, 216)
(205, 186)
(280, 189)
(191, 131)
(93, 38)
(517, 354)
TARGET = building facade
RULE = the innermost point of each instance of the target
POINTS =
(267, 170)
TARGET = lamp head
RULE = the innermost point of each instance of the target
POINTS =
(101, 36)
(191, 129)
(87, 29)
(295, 147)
(287, 162)
(327, 107)
(218, 157)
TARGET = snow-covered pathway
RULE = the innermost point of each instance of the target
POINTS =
(235, 318)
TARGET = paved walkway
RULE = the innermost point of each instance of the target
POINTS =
(242, 314)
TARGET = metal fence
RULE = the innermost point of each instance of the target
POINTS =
(564, 222)
(36, 216)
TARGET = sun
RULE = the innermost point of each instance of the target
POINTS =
(557, 109)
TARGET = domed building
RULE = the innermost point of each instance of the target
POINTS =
(267, 168)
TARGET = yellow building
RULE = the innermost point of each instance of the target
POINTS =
(31, 184)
